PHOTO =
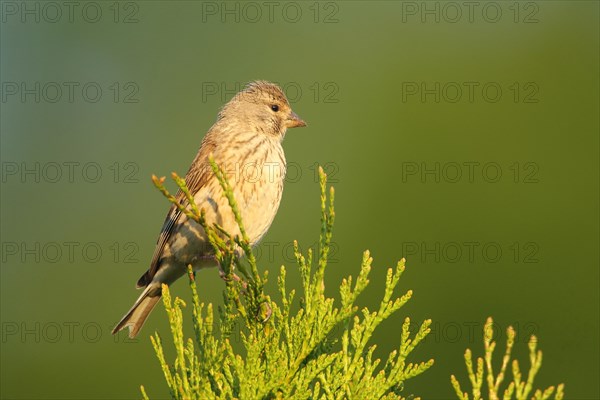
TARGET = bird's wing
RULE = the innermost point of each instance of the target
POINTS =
(197, 176)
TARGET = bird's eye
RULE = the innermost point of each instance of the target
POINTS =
(275, 107)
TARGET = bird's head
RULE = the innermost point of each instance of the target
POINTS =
(263, 107)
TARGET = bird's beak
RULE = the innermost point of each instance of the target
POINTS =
(294, 121)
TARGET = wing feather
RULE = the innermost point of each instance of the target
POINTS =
(196, 178)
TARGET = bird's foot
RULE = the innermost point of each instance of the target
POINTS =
(234, 277)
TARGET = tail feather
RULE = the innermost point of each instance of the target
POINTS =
(136, 316)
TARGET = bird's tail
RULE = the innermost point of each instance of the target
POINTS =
(136, 316)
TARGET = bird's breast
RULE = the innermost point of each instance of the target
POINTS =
(256, 177)
(259, 187)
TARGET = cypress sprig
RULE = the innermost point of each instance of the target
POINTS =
(320, 351)
(517, 388)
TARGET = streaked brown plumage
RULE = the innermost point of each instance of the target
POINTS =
(246, 143)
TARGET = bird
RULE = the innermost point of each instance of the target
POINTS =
(245, 141)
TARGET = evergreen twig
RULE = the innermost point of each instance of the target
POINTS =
(516, 389)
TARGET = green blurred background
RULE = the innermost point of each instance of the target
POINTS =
(414, 155)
